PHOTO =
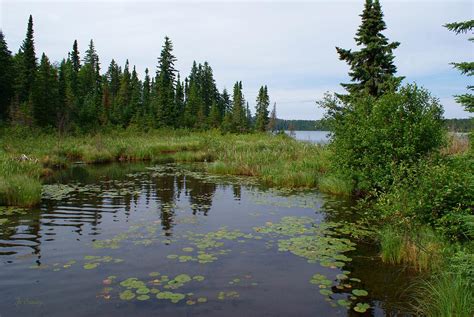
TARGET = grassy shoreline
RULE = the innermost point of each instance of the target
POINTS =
(276, 160)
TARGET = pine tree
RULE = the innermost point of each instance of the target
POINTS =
(146, 94)
(179, 102)
(6, 78)
(90, 90)
(193, 106)
(65, 95)
(466, 68)
(122, 111)
(214, 116)
(135, 108)
(371, 69)
(45, 94)
(26, 77)
(76, 66)
(75, 59)
(165, 81)
(239, 116)
(261, 110)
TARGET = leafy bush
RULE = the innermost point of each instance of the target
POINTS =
(439, 192)
(372, 137)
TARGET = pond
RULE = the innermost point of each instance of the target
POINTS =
(171, 240)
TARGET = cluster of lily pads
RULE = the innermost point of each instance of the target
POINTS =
(94, 261)
(206, 247)
(345, 283)
(108, 189)
(10, 211)
(159, 286)
(325, 244)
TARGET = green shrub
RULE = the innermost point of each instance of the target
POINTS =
(438, 192)
(372, 137)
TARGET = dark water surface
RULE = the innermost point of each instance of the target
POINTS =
(204, 245)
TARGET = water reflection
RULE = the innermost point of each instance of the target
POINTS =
(108, 200)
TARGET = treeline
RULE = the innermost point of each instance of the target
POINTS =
(302, 125)
(460, 125)
(75, 95)
(453, 125)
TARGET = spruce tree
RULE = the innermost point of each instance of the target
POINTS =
(90, 90)
(239, 115)
(26, 77)
(6, 78)
(193, 106)
(135, 107)
(372, 70)
(214, 116)
(466, 68)
(146, 94)
(75, 59)
(165, 81)
(122, 111)
(179, 102)
(261, 111)
(45, 94)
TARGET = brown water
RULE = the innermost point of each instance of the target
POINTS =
(130, 239)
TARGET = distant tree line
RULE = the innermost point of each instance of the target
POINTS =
(302, 125)
(453, 125)
(75, 95)
(460, 125)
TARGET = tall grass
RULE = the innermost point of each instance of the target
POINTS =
(421, 248)
(276, 160)
(445, 295)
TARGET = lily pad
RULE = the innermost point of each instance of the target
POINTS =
(360, 292)
(361, 307)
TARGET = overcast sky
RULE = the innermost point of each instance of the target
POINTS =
(287, 45)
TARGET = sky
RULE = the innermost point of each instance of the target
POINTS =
(287, 45)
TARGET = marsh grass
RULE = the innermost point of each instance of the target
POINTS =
(420, 249)
(336, 185)
(276, 160)
(444, 295)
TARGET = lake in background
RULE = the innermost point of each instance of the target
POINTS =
(310, 136)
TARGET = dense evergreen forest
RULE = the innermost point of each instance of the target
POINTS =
(75, 95)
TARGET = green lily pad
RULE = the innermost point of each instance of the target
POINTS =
(90, 266)
(127, 295)
(344, 303)
(360, 292)
(143, 297)
(361, 307)
(325, 292)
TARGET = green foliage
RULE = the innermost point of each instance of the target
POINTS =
(372, 69)
(239, 115)
(439, 192)
(261, 116)
(372, 137)
(466, 68)
(45, 94)
(6, 77)
(445, 295)
(419, 247)
(27, 64)
(166, 112)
